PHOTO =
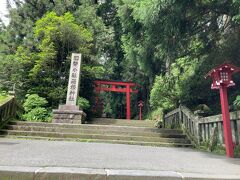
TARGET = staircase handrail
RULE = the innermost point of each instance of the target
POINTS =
(200, 129)
(8, 110)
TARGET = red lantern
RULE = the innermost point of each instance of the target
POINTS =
(222, 79)
(222, 75)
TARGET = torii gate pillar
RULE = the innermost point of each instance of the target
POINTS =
(128, 102)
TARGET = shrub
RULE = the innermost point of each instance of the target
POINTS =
(3, 93)
(172, 87)
(34, 101)
(37, 114)
(157, 115)
(237, 151)
(83, 103)
(161, 95)
(34, 108)
(237, 101)
(203, 110)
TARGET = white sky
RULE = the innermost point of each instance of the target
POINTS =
(3, 10)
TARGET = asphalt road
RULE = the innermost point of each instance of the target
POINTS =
(27, 153)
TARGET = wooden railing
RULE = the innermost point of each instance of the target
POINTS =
(8, 110)
(201, 129)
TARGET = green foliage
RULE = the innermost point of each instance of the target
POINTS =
(107, 109)
(3, 93)
(83, 103)
(202, 110)
(38, 114)
(218, 149)
(179, 41)
(34, 101)
(237, 151)
(166, 47)
(157, 115)
(168, 90)
(237, 101)
(45, 70)
(3, 97)
(102, 35)
(161, 94)
(35, 110)
(58, 36)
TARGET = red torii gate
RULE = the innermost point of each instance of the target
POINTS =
(117, 86)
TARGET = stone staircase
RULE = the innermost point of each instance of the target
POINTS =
(122, 122)
(101, 130)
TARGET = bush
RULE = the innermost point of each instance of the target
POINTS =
(172, 87)
(161, 95)
(34, 108)
(34, 101)
(83, 103)
(202, 110)
(237, 101)
(37, 114)
(3, 93)
(157, 115)
(237, 151)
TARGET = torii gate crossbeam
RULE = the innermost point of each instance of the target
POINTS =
(117, 86)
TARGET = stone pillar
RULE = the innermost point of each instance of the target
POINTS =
(71, 112)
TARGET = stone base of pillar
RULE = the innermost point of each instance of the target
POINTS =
(69, 114)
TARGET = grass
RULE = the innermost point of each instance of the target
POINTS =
(237, 151)
(220, 150)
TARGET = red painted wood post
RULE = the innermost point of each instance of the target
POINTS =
(128, 114)
(226, 122)
(97, 92)
(96, 101)
(140, 112)
(140, 104)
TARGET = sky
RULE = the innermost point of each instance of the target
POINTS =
(3, 10)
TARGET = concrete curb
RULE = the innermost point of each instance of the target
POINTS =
(69, 173)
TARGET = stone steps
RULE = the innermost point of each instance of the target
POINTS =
(142, 143)
(96, 133)
(100, 131)
(93, 136)
(96, 127)
(123, 122)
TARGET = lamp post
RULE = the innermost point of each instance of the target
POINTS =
(222, 79)
(140, 105)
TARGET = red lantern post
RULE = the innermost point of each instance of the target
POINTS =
(140, 105)
(222, 79)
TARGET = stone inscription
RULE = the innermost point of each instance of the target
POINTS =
(74, 79)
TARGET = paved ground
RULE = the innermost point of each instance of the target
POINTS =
(27, 153)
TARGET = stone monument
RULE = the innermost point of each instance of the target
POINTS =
(71, 112)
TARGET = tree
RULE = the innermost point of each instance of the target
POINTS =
(48, 65)
(179, 41)
(41, 55)
(166, 47)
